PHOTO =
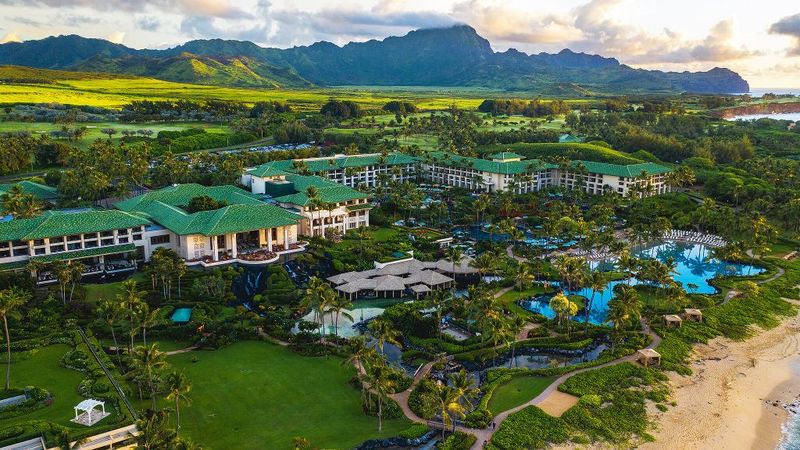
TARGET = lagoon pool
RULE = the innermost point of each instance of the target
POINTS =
(694, 268)
(363, 310)
(181, 315)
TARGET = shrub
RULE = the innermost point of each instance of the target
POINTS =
(389, 408)
(419, 402)
(415, 431)
(457, 441)
(480, 418)
(530, 428)
(591, 400)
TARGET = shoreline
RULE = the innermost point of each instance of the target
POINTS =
(736, 395)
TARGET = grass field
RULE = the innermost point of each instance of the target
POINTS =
(93, 129)
(589, 152)
(517, 391)
(42, 369)
(115, 92)
(259, 395)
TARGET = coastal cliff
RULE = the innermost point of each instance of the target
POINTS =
(760, 108)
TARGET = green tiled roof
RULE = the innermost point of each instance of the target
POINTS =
(65, 223)
(86, 253)
(336, 163)
(13, 265)
(329, 192)
(40, 191)
(628, 171)
(229, 219)
(485, 165)
(506, 155)
(267, 170)
(181, 194)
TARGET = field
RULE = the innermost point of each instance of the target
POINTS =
(115, 92)
(93, 129)
(589, 152)
(517, 391)
(42, 368)
(258, 395)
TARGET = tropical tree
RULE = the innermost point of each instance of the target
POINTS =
(10, 300)
(448, 401)
(384, 332)
(484, 263)
(597, 283)
(20, 204)
(109, 312)
(338, 307)
(625, 308)
(178, 388)
(454, 255)
(360, 356)
(147, 362)
(381, 382)
(564, 309)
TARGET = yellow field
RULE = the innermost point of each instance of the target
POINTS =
(113, 93)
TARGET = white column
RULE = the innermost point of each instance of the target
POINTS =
(285, 238)
(214, 248)
(269, 239)
(234, 252)
(261, 238)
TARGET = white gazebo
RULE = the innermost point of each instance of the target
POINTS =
(84, 412)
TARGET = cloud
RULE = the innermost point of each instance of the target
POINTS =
(148, 23)
(789, 26)
(10, 37)
(215, 8)
(116, 37)
(78, 21)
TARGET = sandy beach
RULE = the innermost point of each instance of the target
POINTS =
(734, 398)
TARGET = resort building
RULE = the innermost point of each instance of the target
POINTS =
(504, 171)
(335, 207)
(103, 241)
(399, 278)
(350, 170)
(243, 228)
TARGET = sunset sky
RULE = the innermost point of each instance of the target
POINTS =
(760, 40)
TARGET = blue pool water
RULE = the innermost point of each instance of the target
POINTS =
(181, 315)
(693, 269)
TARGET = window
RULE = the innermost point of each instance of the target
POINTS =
(155, 240)
(90, 244)
(56, 240)
(39, 251)
(38, 242)
(74, 237)
(56, 248)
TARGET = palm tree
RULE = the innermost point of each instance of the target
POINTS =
(384, 333)
(515, 327)
(152, 431)
(522, 274)
(11, 299)
(439, 298)
(448, 401)
(382, 384)
(360, 355)
(109, 312)
(484, 263)
(148, 319)
(316, 299)
(178, 387)
(339, 306)
(597, 282)
(148, 361)
(625, 308)
(63, 273)
(454, 255)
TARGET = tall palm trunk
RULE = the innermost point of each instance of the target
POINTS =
(116, 345)
(8, 353)
(177, 416)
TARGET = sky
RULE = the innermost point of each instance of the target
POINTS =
(758, 39)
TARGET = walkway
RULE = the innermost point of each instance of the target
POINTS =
(110, 377)
(733, 293)
(183, 350)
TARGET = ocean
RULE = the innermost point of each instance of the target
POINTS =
(791, 434)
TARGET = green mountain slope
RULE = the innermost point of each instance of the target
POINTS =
(189, 68)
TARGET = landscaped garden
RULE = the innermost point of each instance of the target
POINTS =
(255, 394)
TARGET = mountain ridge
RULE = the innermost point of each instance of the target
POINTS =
(452, 56)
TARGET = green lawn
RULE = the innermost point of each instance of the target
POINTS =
(94, 292)
(517, 391)
(93, 129)
(42, 369)
(259, 395)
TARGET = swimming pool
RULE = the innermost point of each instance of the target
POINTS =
(694, 268)
(181, 315)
